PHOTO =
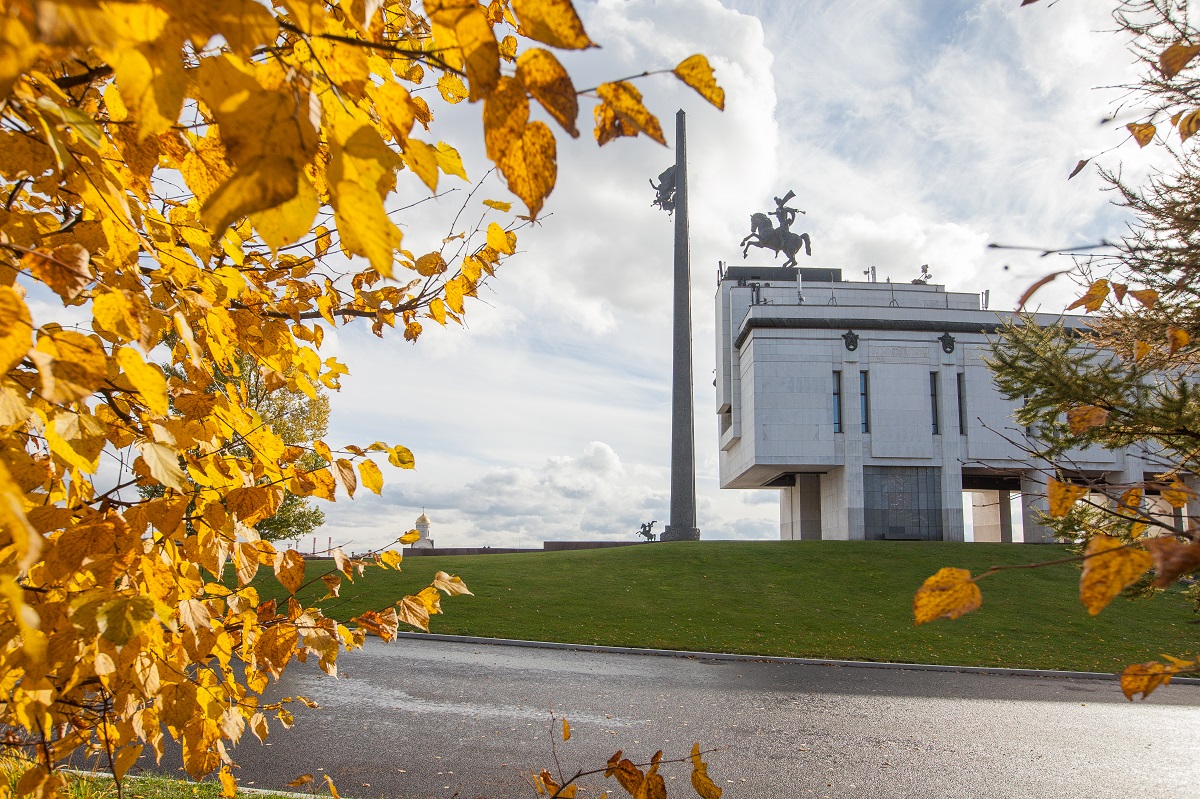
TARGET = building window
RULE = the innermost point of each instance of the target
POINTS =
(962, 403)
(933, 402)
(837, 401)
(864, 401)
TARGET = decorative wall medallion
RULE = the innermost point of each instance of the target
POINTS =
(851, 339)
(947, 342)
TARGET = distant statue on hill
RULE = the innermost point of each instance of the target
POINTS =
(646, 531)
(780, 239)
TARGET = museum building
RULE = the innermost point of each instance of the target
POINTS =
(869, 407)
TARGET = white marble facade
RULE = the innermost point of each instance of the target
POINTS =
(935, 426)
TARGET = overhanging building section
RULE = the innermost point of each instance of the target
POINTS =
(869, 407)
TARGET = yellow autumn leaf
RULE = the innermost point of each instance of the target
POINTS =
(147, 378)
(261, 184)
(252, 505)
(696, 72)
(566, 731)
(546, 79)
(1092, 300)
(16, 328)
(501, 240)
(289, 570)
(401, 457)
(530, 166)
(430, 264)
(452, 88)
(453, 291)
(1129, 502)
(626, 102)
(71, 365)
(701, 782)
(552, 22)
(391, 558)
(1176, 57)
(410, 537)
(292, 220)
(1143, 678)
(1062, 496)
(1176, 494)
(498, 205)
(123, 617)
(1143, 133)
(1140, 350)
(1109, 566)
(437, 310)
(505, 115)
(422, 159)
(449, 161)
(365, 227)
(949, 593)
(333, 583)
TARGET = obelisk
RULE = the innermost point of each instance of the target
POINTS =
(682, 526)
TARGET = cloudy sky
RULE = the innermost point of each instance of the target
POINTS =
(911, 131)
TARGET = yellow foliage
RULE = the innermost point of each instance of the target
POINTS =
(113, 616)
(949, 593)
(1109, 567)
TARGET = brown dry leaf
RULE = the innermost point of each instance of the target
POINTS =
(1062, 496)
(1147, 297)
(1086, 417)
(344, 471)
(626, 101)
(949, 593)
(1029, 292)
(66, 270)
(552, 22)
(549, 83)
(530, 166)
(1188, 125)
(1078, 167)
(333, 583)
(1172, 558)
(1143, 134)
(1176, 57)
(1108, 568)
(1177, 339)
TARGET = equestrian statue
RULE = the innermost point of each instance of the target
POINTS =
(780, 239)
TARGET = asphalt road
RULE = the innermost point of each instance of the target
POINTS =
(436, 719)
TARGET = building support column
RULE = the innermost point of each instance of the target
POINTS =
(1005, 497)
(1033, 504)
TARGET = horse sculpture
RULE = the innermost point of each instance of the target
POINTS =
(764, 234)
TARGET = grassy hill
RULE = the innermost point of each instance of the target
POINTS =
(831, 599)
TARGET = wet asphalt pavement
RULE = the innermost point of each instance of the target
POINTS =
(436, 719)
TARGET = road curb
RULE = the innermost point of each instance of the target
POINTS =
(854, 664)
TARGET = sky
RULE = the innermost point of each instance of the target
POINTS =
(913, 132)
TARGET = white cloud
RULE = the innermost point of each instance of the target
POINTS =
(911, 132)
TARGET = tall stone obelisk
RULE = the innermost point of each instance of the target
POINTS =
(682, 526)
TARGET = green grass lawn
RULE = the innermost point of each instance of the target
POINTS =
(822, 599)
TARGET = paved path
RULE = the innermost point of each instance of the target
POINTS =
(435, 719)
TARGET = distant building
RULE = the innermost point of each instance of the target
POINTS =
(422, 527)
(869, 408)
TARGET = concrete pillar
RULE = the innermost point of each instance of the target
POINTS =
(949, 442)
(1033, 504)
(787, 529)
(851, 475)
(985, 510)
(806, 507)
(1005, 505)
(835, 516)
